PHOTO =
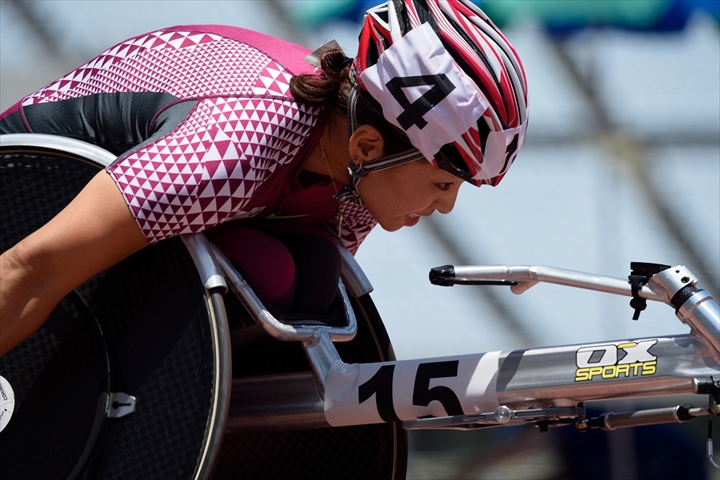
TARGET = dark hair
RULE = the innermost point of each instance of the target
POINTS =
(331, 90)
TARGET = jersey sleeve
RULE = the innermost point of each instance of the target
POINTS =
(208, 170)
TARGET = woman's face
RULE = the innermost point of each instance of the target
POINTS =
(399, 196)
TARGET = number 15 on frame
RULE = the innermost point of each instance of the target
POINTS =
(411, 389)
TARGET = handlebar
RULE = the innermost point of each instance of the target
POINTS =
(521, 278)
(675, 286)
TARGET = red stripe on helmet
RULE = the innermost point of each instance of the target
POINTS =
(412, 14)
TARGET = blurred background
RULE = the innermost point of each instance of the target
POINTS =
(621, 164)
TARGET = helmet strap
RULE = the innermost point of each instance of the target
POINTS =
(360, 169)
(352, 102)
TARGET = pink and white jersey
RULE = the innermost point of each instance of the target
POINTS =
(204, 125)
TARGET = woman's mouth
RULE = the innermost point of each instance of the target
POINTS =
(413, 219)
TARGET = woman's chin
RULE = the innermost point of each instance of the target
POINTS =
(394, 224)
(391, 228)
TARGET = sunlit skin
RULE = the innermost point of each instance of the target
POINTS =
(396, 197)
(400, 196)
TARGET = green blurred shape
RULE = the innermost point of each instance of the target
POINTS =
(630, 13)
(310, 13)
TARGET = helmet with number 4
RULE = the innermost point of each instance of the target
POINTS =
(445, 76)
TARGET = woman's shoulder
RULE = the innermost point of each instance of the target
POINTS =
(289, 55)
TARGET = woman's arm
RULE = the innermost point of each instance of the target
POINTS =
(95, 231)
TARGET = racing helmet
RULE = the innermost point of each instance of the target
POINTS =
(444, 75)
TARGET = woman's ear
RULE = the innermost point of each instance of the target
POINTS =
(366, 143)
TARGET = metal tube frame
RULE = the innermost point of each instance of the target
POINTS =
(536, 384)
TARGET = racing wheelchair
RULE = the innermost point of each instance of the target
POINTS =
(168, 365)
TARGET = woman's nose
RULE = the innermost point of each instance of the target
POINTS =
(445, 203)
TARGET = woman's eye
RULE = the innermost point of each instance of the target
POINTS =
(444, 186)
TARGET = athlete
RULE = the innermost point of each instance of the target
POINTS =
(219, 125)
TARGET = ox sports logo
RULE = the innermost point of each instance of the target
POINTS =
(615, 360)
